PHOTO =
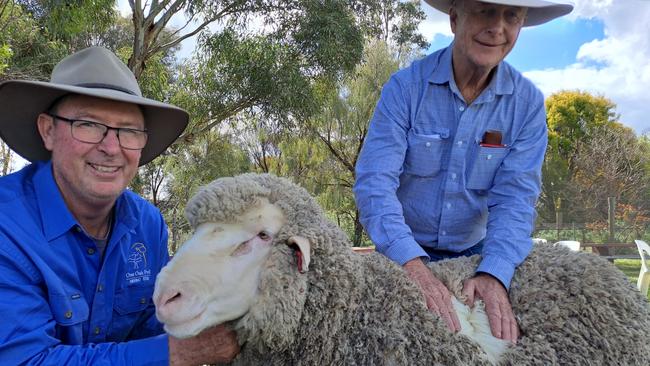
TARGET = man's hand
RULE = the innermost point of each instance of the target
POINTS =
(435, 293)
(497, 305)
(213, 345)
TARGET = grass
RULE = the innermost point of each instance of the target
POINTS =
(631, 269)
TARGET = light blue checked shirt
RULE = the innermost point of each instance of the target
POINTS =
(422, 178)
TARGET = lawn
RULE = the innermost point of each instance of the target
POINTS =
(631, 268)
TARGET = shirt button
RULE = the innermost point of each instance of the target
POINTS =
(489, 157)
(427, 144)
(448, 205)
(68, 314)
(78, 228)
(98, 330)
(90, 251)
(443, 232)
(453, 175)
(100, 288)
(461, 108)
(143, 300)
(460, 143)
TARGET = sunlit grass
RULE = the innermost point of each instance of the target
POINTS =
(631, 269)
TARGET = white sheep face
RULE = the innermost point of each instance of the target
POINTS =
(214, 277)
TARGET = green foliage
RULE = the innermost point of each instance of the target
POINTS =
(328, 36)
(591, 157)
(5, 56)
(73, 21)
(326, 168)
(237, 73)
(33, 52)
(573, 115)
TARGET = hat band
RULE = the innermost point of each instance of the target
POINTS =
(107, 86)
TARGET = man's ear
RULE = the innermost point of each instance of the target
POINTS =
(302, 248)
(45, 125)
(453, 18)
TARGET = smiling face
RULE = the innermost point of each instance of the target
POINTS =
(87, 174)
(214, 277)
(484, 33)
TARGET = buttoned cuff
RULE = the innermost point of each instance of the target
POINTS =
(402, 251)
(153, 351)
(500, 268)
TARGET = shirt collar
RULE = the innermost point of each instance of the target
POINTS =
(55, 215)
(501, 83)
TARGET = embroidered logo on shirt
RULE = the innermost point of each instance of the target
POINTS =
(138, 264)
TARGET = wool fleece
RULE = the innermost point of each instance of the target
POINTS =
(361, 309)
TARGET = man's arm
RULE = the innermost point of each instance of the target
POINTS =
(511, 205)
(213, 345)
(378, 169)
(512, 197)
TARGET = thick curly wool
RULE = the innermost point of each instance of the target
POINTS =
(351, 309)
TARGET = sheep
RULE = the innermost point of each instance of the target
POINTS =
(265, 259)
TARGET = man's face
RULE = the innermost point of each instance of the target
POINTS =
(91, 174)
(484, 33)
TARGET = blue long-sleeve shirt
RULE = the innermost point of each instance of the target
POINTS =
(424, 180)
(59, 304)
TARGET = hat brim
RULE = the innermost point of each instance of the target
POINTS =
(539, 11)
(22, 102)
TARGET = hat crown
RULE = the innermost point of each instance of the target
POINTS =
(96, 67)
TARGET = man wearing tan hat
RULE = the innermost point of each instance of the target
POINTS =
(451, 165)
(79, 253)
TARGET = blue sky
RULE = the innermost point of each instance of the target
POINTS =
(602, 47)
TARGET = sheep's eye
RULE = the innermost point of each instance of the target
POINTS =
(264, 235)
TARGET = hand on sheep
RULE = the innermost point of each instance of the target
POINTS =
(497, 305)
(213, 345)
(435, 293)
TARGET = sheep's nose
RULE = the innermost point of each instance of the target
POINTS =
(167, 303)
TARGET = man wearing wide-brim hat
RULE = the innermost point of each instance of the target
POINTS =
(451, 165)
(79, 253)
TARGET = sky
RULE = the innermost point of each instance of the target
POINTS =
(602, 47)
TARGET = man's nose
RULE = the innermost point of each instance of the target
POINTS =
(111, 142)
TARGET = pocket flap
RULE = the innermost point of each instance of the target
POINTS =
(133, 300)
(69, 309)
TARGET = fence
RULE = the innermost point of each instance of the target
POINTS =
(590, 233)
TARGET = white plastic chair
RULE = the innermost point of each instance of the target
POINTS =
(644, 274)
(571, 244)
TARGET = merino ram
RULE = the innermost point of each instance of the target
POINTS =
(265, 258)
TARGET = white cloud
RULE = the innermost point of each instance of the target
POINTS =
(617, 67)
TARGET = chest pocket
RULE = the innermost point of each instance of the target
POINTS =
(129, 305)
(425, 153)
(70, 312)
(485, 167)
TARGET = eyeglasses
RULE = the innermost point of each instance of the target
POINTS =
(94, 132)
(512, 15)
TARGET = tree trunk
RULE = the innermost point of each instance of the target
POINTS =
(358, 230)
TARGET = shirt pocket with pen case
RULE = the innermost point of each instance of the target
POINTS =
(487, 162)
(425, 152)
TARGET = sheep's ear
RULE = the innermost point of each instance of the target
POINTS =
(302, 249)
